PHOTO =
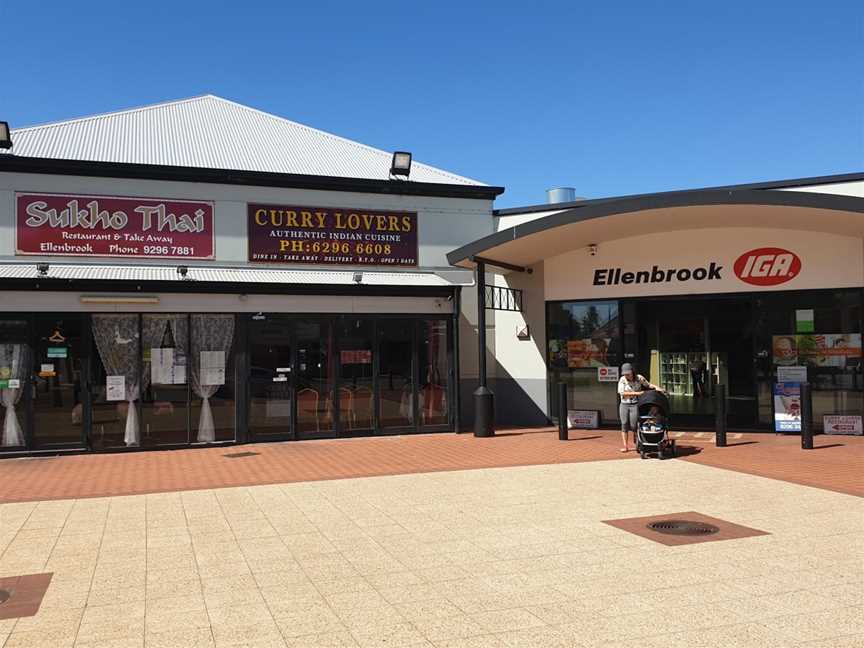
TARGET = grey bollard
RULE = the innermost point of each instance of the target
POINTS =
(562, 412)
(806, 417)
(720, 416)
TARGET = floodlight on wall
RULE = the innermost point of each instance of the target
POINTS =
(42, 269)
(183, 271)
(401, 164)
(5, 135)
(358, 277)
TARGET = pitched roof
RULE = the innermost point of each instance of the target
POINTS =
(213, 133)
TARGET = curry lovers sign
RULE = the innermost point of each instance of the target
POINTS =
(109, 226)
(331, 236)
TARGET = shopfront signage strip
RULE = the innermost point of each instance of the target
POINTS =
(111, 226)
(331, 236)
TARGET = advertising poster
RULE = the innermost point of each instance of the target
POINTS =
(108, 226)
(587, 353)
(792, 374)
(331, 236)
(584, 419)
(842, 424)
(787, 407)
(357, 356)
(816, 349)
(115, 388)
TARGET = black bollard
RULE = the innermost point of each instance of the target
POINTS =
(806, 417)
(562, 412)
(720, 416)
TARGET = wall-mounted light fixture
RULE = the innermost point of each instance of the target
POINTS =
(358, 277)
(119, 299)
(183, 271)
(42, 269)
(592, 249)
(5, 135)
(401, 164)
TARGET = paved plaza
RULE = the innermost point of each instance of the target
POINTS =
(485, 557)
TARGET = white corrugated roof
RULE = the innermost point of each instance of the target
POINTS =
(213, 133)
(232, 275)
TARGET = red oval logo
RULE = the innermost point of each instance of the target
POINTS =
(768, 266)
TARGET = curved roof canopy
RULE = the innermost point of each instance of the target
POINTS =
(596, 221)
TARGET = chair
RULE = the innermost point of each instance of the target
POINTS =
(307, 407)
(346, 407)
(433, 403)
(363, 407)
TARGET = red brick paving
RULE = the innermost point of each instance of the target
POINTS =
(837, 463)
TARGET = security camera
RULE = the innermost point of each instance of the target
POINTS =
(592, 249)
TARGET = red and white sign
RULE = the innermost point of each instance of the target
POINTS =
(583, 419)
(607, 374)
(768, 266)
(108, 226)
(840, 424)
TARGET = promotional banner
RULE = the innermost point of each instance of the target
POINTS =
(328, 236)
(817, 349)
(107, 226)
(587, 353)
(787, 407)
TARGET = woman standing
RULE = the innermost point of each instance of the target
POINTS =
(630, 386)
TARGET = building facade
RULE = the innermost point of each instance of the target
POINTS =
(160, 288)
(751, 287)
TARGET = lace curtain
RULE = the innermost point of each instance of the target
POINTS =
(17, 358)
(117, 341)
(209, 333)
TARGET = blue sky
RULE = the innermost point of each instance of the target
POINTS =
(608, 97)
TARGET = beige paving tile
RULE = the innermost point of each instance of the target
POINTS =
(537, 638)
(136, 641)
(181, 638)
(481, 641)
(505, 620)
(318, 619)
(819, 625)
(342, 639)
(392, 634)
(446, 628)
(53, 638)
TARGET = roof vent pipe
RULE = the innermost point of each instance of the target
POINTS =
(560, 195)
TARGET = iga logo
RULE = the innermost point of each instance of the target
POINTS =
(767, 266)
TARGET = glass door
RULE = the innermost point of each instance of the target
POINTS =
(165, 379)
(434, 362)
(15, 375)
(58, 404)
(355, 393)
(314, 373)
(271, 384)
(397, 399)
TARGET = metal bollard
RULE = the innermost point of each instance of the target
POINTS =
(562, 412)
(806, 417)
(720, 416)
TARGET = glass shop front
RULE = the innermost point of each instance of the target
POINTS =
(112, 381)
(748, 342)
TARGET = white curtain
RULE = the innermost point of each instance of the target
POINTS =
(209, 333)
(117, 340)
(15, 357)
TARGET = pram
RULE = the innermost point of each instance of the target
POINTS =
(652, 433)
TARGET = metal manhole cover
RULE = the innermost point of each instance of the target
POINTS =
(237, 455)
(683, 528)
(4, 596)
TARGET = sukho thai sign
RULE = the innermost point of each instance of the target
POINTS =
(330, 236)
(72, 225)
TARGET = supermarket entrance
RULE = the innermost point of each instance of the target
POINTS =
(691, 346)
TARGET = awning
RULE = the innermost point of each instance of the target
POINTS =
(597, 221)
(233, 275)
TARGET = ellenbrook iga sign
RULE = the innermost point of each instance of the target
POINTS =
(767, 266)
(107, 226)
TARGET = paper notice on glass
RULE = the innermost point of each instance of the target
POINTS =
(277, 408)
(212, 367)
(115, 388)
(162, 366)
(179, 369)
(792, 374)
(14, 384)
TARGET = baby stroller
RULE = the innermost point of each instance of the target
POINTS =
(652, 434)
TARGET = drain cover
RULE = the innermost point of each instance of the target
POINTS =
(683, 528)
(237, 455)
(4, 596)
